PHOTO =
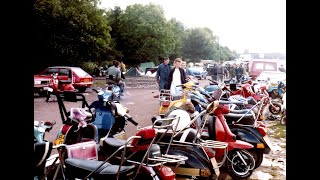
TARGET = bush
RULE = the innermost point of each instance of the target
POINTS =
(89, 66)
(105, 63)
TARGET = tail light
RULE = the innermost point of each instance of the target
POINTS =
(85, 80)
(165, 172)
(165, 103)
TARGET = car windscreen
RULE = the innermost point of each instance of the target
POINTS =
(49, 71)
(80, 72)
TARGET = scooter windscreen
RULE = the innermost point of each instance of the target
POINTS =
(105, 95)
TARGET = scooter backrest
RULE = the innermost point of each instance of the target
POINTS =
(143, 143)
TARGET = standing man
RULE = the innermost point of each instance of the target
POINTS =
(220, 72)
(163, 73)
(239, 73)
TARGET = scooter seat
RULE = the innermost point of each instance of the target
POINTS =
(248, 119)
(114, 143)
(80, 168)
(187, 135)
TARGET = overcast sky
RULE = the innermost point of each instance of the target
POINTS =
(256, 25)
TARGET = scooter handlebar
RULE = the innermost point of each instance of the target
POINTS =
(95, 90)
(129, 118)
(213, 81)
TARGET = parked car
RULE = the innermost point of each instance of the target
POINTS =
(81, 79)
(271, 79)
(256, 66)
(199, 72)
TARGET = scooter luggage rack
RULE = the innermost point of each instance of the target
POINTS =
(260, 104)
(165, 95)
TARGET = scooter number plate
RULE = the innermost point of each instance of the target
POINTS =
(59, 140)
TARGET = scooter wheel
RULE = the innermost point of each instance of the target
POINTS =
(257, 154)
(235, 166)
(276, 109)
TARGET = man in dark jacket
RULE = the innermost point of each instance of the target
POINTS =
(220, 72)
(163, 74)
(239, 72)
(214, 72)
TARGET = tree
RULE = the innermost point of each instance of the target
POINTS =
(70, 32)
(113, 17)
(199, 44)
(144, 33)
(179, 34)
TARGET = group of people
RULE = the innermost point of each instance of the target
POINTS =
(169, 77)
(219, 72)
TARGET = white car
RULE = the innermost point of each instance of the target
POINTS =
(271, 79)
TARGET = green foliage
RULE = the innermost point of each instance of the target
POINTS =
(71, 31)
(199, 44)
(144, 33)
(88, 66)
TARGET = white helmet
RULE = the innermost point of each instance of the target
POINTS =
(183, 117)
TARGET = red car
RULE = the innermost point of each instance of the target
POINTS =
(81, 80)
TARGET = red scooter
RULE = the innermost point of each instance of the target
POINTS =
(57, 85)
(239, 162)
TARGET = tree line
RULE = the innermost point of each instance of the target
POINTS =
(72, 32)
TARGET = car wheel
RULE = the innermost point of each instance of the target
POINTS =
(82, 89)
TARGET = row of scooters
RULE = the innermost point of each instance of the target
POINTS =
(182, 144)
(237, 119)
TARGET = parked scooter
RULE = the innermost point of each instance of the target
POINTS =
(107, 111)
(58, 85)
(135, 158)
(166, 101)
(240, 163)
(111, 85)
(175, 136)
(42, 148)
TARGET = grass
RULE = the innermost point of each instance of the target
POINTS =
(279, 131)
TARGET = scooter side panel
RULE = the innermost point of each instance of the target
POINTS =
(250, 135)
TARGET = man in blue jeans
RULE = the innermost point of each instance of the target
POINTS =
(163, 74)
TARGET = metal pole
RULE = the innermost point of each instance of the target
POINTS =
(219, 49)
